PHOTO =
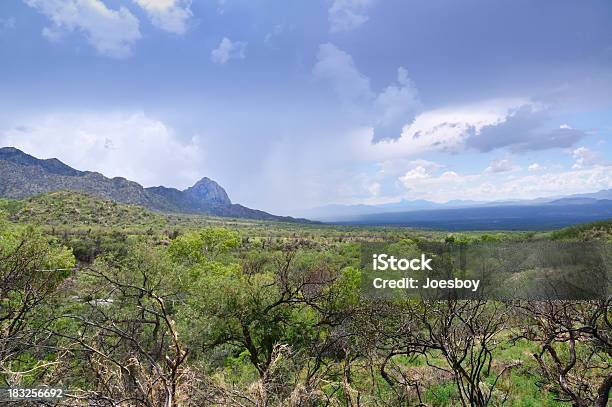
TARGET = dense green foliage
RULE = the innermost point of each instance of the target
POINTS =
(69, 208)
(595, 230)
(178, 310)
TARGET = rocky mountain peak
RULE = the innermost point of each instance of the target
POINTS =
(208, 190)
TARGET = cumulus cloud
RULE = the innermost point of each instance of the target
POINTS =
(451, 185)
(395, 106)
(169, 15)
(346, 15)
(444, 130)
(535, 167)
(110, 32)
(585, 158)
(393, 167)
(337, 67)
(515, 124)
(415, 174)
(422, 183)
(387, 112)
(504, 165)
(228, 50)
(134, 146)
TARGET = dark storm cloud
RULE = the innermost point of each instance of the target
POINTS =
(524, 129)
(556, 138)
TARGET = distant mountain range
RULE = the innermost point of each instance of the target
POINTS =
(357, 213)
(545, 216)
(22, 175)
(534, 214)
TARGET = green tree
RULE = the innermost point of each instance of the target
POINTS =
(282, 299)
(204, 245)
(121, 330)
(32, 266)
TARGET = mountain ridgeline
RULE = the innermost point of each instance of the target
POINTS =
(22, 175)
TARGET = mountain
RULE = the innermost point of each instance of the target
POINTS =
(22, 175)
(544, 216)
(52, 165)
(571, 200)
(349, 213)
(208, 190)
(603, 194)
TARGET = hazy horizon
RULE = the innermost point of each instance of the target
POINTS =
(303, 104)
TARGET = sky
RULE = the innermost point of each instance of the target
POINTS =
(297, 104)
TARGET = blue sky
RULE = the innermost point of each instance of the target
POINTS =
(295, 104)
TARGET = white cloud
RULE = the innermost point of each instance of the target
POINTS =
(487, 186)
(504, 165)
(134, 146)
(585, 158)
(228, 50)
(338, 68)
(374, 189)
(439, 188)
(535, 167)
(393, 167)
(169, 15)
(445, 130)
(516, 124)
(346, 15)
(387, 111)
(415, 174)
(110, 32)
(395, 106)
